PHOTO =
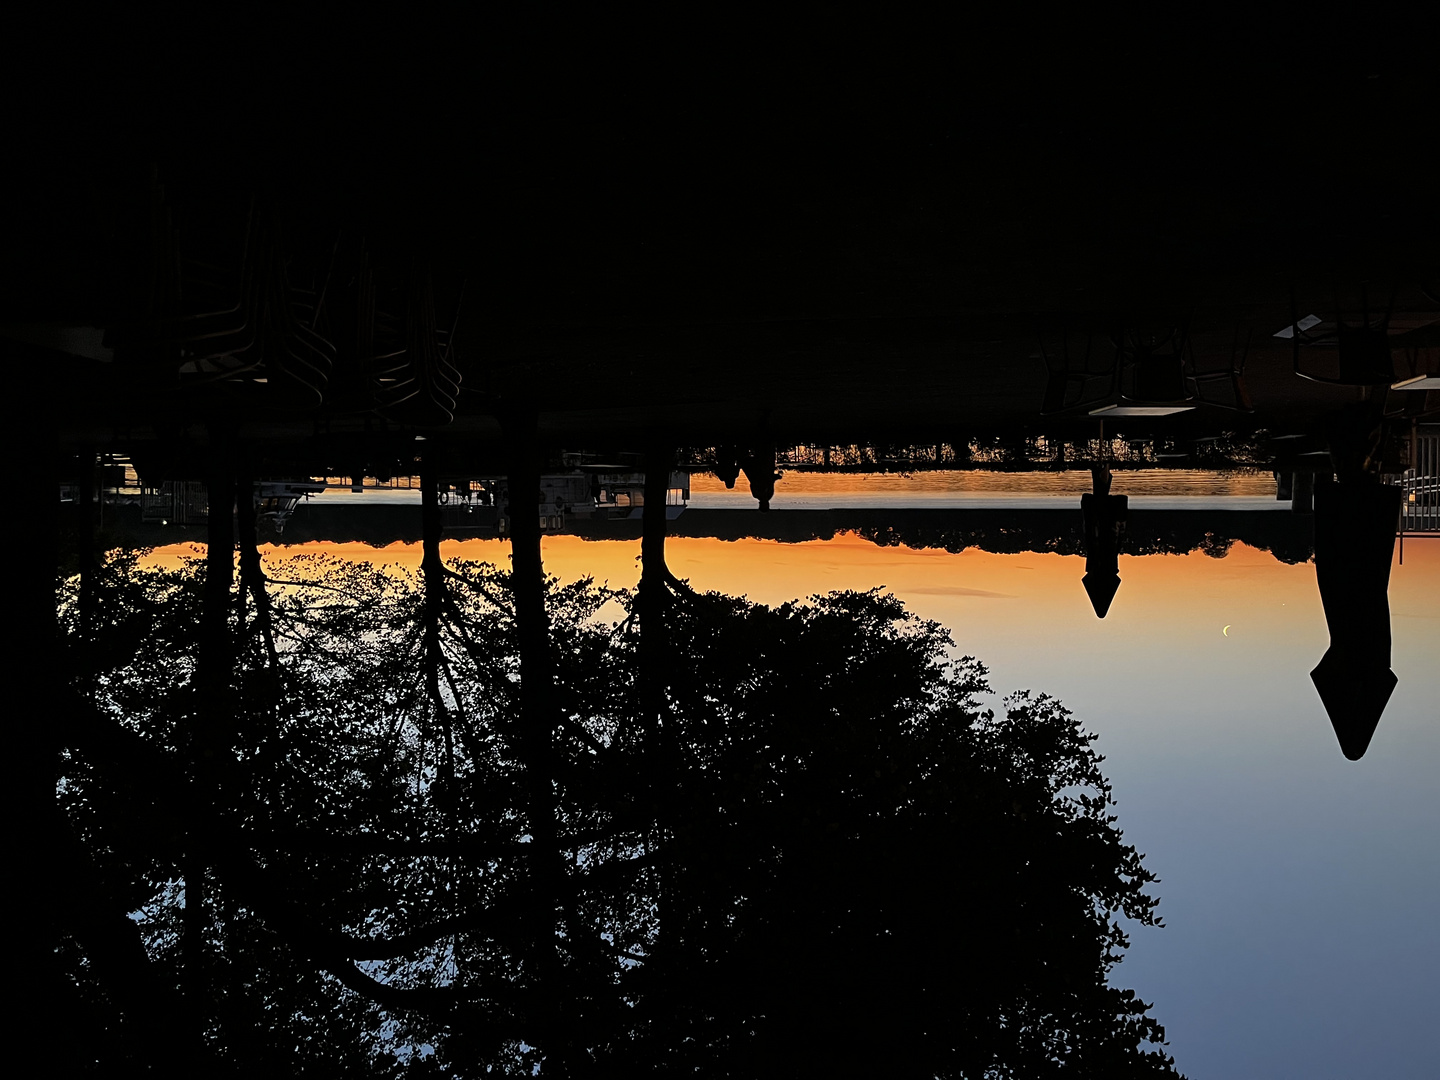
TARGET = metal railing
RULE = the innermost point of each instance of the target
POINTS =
(179, 502)
(1420, 505)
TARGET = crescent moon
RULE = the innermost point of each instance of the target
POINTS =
(1226, 631)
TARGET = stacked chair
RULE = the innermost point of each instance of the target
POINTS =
(404, 358)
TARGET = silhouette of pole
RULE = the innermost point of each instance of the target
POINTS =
(1354, 542)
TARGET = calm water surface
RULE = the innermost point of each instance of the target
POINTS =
(1297, 887)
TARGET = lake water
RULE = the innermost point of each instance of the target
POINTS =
(1297, 887)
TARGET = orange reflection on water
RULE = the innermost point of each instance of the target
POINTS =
(768, 571)
(1026, 614)
(988, 600)
(1195, 482)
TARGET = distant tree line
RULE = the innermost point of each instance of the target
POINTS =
(1017, 451)
(1289, 537)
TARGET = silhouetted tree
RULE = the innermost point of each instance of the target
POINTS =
(875, 876)
(841, 863)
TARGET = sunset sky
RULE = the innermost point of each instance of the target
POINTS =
(1297, 887)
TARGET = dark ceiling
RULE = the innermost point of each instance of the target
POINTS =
(620, 216)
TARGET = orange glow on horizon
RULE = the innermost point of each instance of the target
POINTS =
(1026, 615)
(769, 571)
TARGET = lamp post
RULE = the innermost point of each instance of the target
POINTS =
(1354, 542)
(1104, 526)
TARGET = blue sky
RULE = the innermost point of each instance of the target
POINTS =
(1298, 888)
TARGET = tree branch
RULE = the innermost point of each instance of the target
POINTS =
(482, 590)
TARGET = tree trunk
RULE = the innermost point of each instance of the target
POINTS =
(33, 663)
(211, 721)
(89, 563)
(61, 894)
(433, 571)
(652, 596)
(215, 660)
(661, 763)
(537, 708)
(261, 731)
(252, 574)
(112, 944)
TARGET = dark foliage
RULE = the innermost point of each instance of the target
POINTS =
(820, 854)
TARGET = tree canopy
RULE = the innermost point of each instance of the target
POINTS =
(787, 840)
